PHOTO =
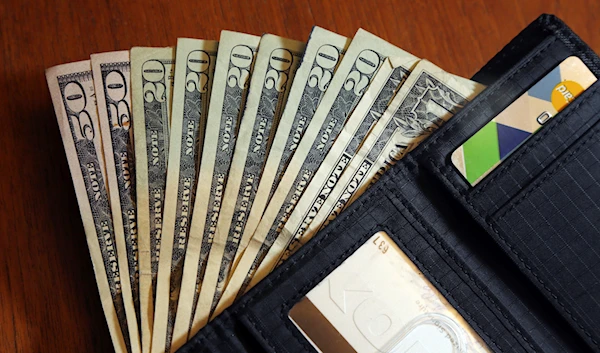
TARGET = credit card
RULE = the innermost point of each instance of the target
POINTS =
(378, 301)
(492, 144)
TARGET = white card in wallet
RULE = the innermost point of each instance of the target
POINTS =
(378, 301)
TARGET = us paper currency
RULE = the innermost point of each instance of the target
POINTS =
(276, 63)
(361, 62)
(72, 90)
(151, 81)
(232, 74)
(113, 94)
(323, 53)
(429, 98)
(194, 67)
(378, 301)
(376, 99)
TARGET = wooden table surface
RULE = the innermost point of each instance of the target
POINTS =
(48, 296)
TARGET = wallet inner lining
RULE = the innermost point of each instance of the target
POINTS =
(533, 226)
(524, 168)
(494, 274)
(265, 310)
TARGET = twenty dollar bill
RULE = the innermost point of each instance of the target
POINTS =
(429, 98)
(113, 94)
(324, 51)
(276, 63)
(356, 71)
(151, 81)
(376, 99)
(194, 67)
(233, 68)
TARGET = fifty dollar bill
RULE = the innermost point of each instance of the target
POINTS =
(361, 62)
(151, 81)
(194, 67)
(276, 63)
(73, 96)
(233, 69)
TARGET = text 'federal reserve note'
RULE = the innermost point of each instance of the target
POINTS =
(429, 98)
(276, 63)
(73, 96)
(234, 63)
(375, 101)
(194, 67)
(324, 52)
(152, 72)
(364, 57)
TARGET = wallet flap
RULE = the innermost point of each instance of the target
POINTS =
(526, 168)
(465, 271)
(551, 230)
(265, 309)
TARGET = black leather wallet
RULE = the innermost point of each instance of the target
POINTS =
(518, 255)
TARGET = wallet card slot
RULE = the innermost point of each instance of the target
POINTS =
(548, 227)
(518, 48)
(332, 248)
(533, 157)
(536, 154)
(396, 205)
(552, 231)
(556, 250)
(498, 276)
(540, 149)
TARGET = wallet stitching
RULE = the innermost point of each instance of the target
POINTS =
(200, 339)
(340, 259)
(311, 283)
(292, 261)
(335, 263)
(543, 21)
(556, 32)
(568, 158)
(511, 247)
(559, 28)
(435, 139)
(533, 143)
(427, 270)
(472, 280)
(529, 269)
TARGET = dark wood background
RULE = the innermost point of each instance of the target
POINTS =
(48, 297)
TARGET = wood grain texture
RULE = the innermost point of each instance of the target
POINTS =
(48, 297)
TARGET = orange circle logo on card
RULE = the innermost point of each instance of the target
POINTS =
(564, 93)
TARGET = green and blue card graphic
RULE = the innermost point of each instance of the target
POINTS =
(493, 143)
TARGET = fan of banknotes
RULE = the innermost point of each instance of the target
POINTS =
(199, 169)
